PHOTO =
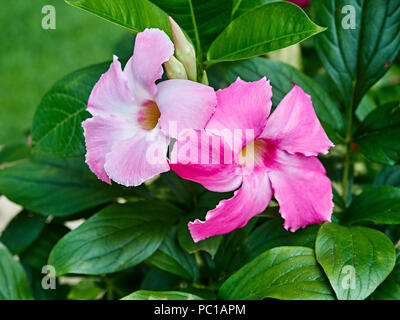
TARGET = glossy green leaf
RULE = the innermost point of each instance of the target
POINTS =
(86, 290)
(57, 187)
(114, 239)
(170, 257)
(281, 76)
(270, 27)
(355, 259)
(201, 20)
(13, 281)
(161, 295)
(57, 128)
(209, 245)
(378, 135)
(242, 6)
(390, 288)
(134, 16)
(23, 229)
(379, 204)
(357, 58)
(289, 273)
(272, 234)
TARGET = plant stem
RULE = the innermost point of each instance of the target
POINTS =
(197, 36)
(348, 141)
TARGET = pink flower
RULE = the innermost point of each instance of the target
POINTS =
(300, 3)
(126, 139)
(284, 147)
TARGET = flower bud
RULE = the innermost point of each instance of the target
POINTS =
(175, 69)
(184, 50)
(204, 78)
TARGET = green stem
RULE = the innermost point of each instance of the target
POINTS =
(348, 141)
(197, 36)
(347, 163)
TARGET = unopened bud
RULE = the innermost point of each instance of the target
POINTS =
(175, 69)
(184, 50)
(204, 78)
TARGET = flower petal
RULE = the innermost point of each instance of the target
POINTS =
(303, 191)
(135, 160)
(301, 3)
(152, 48)
(294, 126)
(189, 104)
(204, 158)
(111, 95)
(243, 105)
(251, 199)
(100, 135)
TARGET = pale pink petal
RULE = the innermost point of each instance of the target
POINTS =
(152, 48)
(303, 191)
(251, 199)
(244, 106)
(111, 95)
(184, 104)
(204, 158)
(100, 135)
(294, 126)
(135, 160)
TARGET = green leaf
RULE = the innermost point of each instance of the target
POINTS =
(388, 176)
(378, 135)
(366, 106)
(23, 229)
(390, 288)
(272, 234)
(289, 273)
(12, 153)
(161, 295)
(134, 16)
(270, 27)
(114, 239)
(242, 6)
(57, 187)
(170, 257)
(281, 76)
(57, 128)
(201, 20)
(13, 281)
(183, 190)
(229, 248)
(35, 278)
(379, 204)
(38, 253)
(86, 290)
(355, 259)
(209, 245)
(156, 279)
(356, 58)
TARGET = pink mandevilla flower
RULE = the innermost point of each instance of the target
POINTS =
(285, 146)
(131, 113)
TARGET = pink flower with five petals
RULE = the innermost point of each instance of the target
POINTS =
(284, 148)
(127, 137)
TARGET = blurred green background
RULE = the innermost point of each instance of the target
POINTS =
(33, 59)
